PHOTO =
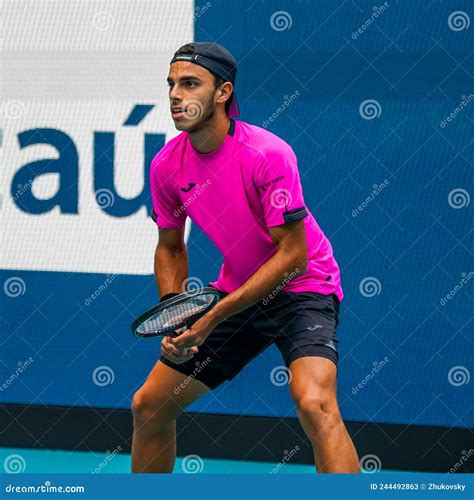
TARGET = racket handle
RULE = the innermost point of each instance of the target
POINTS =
(179, 331)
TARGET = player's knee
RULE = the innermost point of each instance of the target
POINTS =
(146, 409)
(141, 408)
(319, 410)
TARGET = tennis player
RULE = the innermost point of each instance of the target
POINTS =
(279, 281)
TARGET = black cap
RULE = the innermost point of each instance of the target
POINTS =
(218, 60)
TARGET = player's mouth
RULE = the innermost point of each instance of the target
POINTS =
(177, 112)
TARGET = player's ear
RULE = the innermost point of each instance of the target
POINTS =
(225, 90)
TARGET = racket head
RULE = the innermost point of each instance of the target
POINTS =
(175, 313)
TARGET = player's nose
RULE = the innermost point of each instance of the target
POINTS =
(174, 95)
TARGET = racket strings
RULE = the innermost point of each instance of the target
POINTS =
(174, 316)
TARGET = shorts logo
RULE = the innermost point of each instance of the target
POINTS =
(315, 327)
(263, 187)
(188, 187)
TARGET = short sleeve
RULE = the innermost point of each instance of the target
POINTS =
(168, 211)
(279, 187)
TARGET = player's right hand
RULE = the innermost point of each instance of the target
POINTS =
(175, 355)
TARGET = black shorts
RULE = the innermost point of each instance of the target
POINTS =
(299, 323)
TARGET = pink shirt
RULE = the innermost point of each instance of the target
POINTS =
(248, 184)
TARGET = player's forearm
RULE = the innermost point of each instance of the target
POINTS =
(273, 275)
(171, 269)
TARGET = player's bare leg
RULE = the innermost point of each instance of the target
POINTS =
(313, 388)
(155, 407)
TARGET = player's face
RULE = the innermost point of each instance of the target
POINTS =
(191, 92)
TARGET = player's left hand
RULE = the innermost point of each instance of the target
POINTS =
(196, 334)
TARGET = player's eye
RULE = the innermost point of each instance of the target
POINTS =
(191, 84)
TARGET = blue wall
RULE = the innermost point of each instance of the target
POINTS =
(413, 239)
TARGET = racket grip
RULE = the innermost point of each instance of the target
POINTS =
(179, 331)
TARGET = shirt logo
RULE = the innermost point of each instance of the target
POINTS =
(263, 187)
(188, 187)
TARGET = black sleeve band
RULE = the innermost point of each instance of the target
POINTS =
(295, 214)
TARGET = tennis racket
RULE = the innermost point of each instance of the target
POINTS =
(176, 314)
